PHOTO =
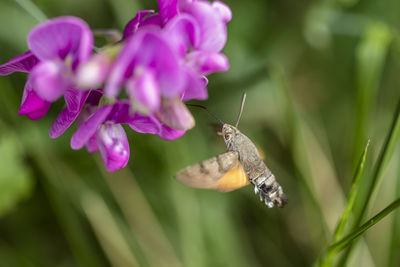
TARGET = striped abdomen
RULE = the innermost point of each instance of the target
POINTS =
(266, 185)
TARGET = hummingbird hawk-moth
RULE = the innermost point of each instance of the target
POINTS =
(239, 166)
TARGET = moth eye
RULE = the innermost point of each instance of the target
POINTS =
(228, 136)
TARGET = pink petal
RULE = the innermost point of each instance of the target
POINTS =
(168, 133)
(32, 105)
(168, 9)
(49, 79)
(147, 50)
(62, 37)
(89, 127)
(21, 63)
(174, 113)
(151, 22)
(121, 112)
(195, 86)
(91, 144)
(223, 11)
(144, 92)
(208, 62)
(94, 97)
(75, 99)
(157, 53)
(152, 125)
(182, 32)
(212, 27)
(69, 114)
(93, 72)
(113, 145)
(133, 25)
(145, 124)
(120, 70)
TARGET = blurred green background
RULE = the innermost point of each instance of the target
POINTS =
(322, 77)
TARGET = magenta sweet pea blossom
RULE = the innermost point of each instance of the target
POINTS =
(57, 47)
(76, 101)
(100, 129)
(211, 19)
(150, 71)
(32, 104)
(60, 45)
(141, 81)
(166, 57)
(100, 132)
(197, 31)
(145, 19)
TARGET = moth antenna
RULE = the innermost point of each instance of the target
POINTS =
(211, 113)
(241, 109)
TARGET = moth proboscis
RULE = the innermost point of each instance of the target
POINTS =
(238, 167)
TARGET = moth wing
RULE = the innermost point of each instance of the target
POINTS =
(260, 152)
(223, 173)
(232, 180)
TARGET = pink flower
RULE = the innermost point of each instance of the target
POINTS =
(100, 129)
(57, 47)
(161, 61)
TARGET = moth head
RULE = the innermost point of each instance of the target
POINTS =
(228, 132)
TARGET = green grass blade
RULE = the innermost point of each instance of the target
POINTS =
(68, 218)
(371, 55)
(347, 240)
(106, 224)
(296, 141)
(32, 9)
(384, 157)
(327, 261)
(394, 259)
(352, 195)
(146, 227)
(107, 230)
